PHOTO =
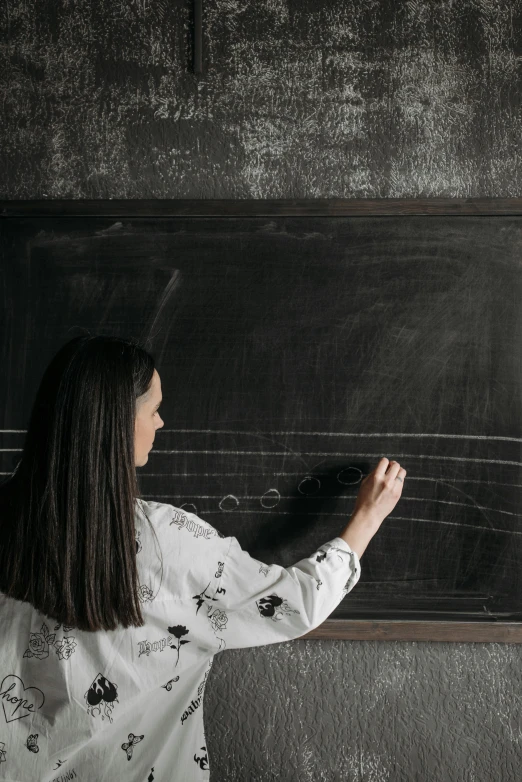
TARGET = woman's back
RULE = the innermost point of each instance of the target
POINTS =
(128, 704)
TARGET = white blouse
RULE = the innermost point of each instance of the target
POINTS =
(128, 703)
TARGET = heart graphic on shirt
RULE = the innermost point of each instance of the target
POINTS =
(19, 701)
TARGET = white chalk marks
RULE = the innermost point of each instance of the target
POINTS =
(350, 476)
(309, 485)
(455, 479)
(270, 498)
(229, 502)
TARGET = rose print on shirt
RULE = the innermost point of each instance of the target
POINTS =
(101, 691)
(39, 643)
(218, 618)
(275, 607)
(65, 647)
(218, 622)
(145, 593)
(177, 631)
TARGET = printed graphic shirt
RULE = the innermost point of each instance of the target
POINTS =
(128, 703)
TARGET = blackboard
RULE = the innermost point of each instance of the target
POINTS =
(296, 345)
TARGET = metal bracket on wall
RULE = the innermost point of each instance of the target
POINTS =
(198, 36)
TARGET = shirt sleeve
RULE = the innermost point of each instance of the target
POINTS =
(254, 604)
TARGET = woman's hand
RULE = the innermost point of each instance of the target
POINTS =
(380, 491)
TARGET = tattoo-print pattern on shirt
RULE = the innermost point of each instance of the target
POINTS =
(19, 701)
(355, 571)
(32, 744)
(66, 776)
(196, 703)
(203, 760)
(182, 521)
(218, 618)
(168, 685)
(218, 622)
(129, 745)
(39, 643)
(3, 752)
(146, 647)
(275, 607)
(145, 593)
(177, 631)
(101, 691)
(322, 556)
(202, 597)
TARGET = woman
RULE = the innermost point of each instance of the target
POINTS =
(112, 608)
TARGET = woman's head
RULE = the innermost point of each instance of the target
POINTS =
(67, 513)
(148, 420)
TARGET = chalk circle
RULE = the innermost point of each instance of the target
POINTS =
(229, 502)
(309, 485)
(189, 507)
(270, 498)
(348, 480)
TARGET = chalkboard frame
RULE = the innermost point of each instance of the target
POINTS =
(486, 630)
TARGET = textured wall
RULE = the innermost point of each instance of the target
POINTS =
(299, 98)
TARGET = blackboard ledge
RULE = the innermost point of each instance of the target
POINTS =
(298, 207)
(398, 630)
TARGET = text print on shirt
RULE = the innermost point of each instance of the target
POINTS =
(181, 520)
(17, 700)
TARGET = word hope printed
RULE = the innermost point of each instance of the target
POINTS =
(182, 521)
(146, 647)
(19, 701)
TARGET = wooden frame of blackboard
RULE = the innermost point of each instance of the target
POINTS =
(487, 630)
(315, 207)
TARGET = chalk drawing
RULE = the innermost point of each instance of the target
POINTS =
(270, 498)
(227, 503)
(309, 485)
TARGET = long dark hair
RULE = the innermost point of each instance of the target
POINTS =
(67, 513)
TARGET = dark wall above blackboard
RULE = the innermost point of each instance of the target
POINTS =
(294, 352)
